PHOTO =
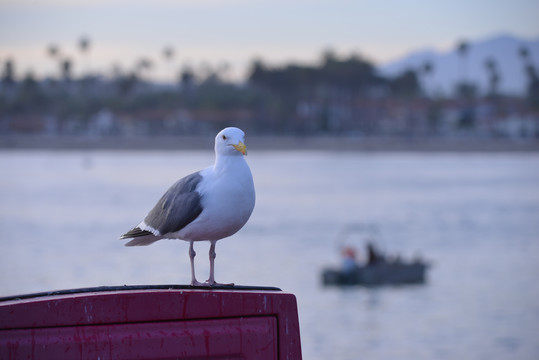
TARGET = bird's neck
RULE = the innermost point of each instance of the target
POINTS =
(225, 163)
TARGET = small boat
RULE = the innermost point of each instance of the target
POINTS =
(377, 269)
(382, 273)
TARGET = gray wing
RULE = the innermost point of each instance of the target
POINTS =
(179, 206)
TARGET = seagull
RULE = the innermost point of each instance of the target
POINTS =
(210, 204)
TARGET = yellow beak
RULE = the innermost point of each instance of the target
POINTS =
(241, 148)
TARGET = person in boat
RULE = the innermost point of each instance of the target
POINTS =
(349, 262)
(373, 255)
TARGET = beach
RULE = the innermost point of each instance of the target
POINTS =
(284, 142)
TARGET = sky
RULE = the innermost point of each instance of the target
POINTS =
(230, 34)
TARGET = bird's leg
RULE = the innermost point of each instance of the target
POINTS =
(212, 254)
(192, 255)
(211, 280)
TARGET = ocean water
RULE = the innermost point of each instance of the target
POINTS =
(474, 216)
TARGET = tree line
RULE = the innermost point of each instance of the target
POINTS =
(291, 97)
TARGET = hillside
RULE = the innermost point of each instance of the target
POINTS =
(449, 67)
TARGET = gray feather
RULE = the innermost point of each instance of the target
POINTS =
(144, 240)
(179, 206)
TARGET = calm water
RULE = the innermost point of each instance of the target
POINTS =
(475, 216)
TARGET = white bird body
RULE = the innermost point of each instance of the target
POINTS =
(222, 186)
(211, 204)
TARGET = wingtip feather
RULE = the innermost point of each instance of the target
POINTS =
(139, 237)
(135, 232)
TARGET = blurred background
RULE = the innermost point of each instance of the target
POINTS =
(415, 122)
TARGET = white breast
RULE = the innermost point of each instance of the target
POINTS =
(228, 199)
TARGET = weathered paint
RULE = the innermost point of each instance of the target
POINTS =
(151, 324)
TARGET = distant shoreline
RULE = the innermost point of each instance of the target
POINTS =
(271, 143)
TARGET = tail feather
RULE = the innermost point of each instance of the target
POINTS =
(139, 237)
(141, 241)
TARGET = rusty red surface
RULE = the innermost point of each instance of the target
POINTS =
(152, 324)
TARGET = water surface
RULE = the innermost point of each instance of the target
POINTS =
(475, 216)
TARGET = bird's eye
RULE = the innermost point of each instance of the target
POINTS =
(224, 137)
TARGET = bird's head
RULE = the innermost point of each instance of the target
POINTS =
(230, 141)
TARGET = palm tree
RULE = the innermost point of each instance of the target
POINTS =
(464, 88)
(84, 44)
(493, 74)
(66, 67)
(8, 75)
(187, 78)
(142, 67)
(168, 55)
(54, 52)
(531, 73)
(426, 70)
(462, 49)
(84, 47)
(533, 85)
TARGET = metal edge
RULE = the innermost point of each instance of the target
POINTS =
(136, 287)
